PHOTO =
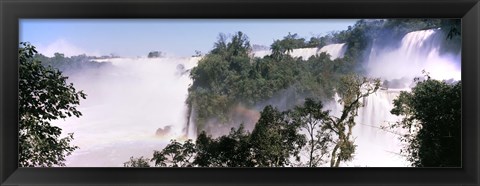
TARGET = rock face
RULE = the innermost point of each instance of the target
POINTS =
(163, 131)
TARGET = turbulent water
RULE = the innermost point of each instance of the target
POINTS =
(137, 105)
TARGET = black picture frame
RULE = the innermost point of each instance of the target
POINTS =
(13, 10)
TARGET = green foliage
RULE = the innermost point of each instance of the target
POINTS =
(286, 45)
(69, 65)
(282, 48)
(137, 162)
(432, 114)
(227, 64)
(175, 154)
(275, 139)
(238, 46)
(224, 78)
(232, 150)
(44, 95)
(317, 42)
(359, 37)
(312, 118)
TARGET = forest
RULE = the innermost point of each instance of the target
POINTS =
(229, 78)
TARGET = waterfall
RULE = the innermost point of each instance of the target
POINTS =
(190, 128)
(377, 147)
(335, 51)
(137, 103)
(419, 50)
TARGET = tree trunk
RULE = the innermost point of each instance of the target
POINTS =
(334, 154)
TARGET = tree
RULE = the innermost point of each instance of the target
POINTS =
(232, 150)
(137, 162)
(220, 47)
(198, 53)
(240, 45)
(311, 117)
(283, 47)
(70, 65)
(432, 116)
(212, 94)
(44, 95)
(351, 90)
(175, 154)
(206, 150)
(154, 54)
(275, 139)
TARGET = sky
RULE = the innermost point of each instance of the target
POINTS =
(174, 37)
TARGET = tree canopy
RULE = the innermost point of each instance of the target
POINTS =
(228, 76)
(137, 162)
(44, 95)
(431, 114)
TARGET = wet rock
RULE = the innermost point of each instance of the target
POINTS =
(163, 131)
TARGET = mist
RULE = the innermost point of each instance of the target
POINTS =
(126, 104)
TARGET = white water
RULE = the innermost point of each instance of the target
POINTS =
(125, 105)
(376, 147)
(419, 50)
(335, 51)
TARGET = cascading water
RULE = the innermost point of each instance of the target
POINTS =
(376, 146)
(419, 50)
(126, 103)
(335, 51)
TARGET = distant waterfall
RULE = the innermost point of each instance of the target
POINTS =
(335, 51)
(419, 50)
(190, 128)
